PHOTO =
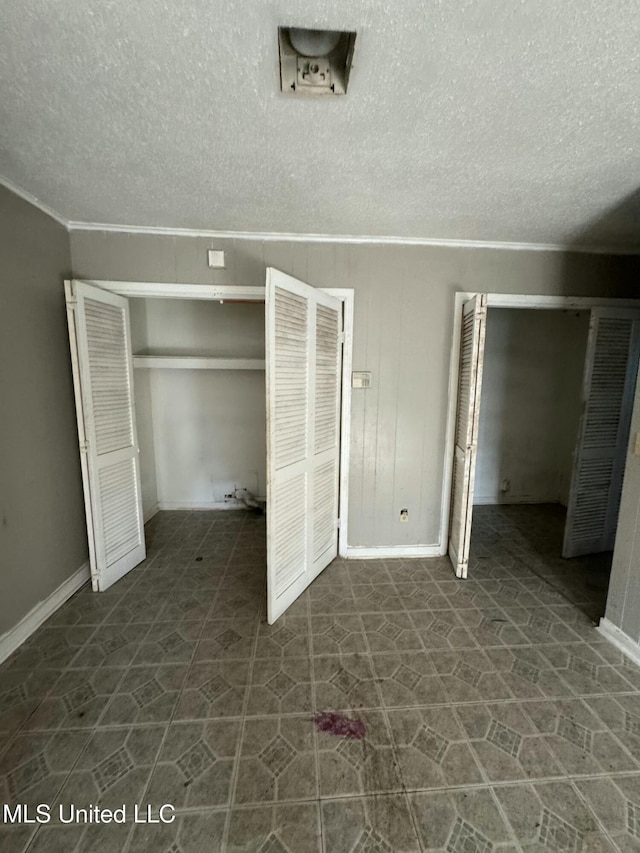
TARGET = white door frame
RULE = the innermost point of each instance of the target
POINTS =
(498, 300)
(173, 290)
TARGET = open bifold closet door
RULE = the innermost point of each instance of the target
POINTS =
(303, 383)
(103, 384)
(611, 367)
(474, 316)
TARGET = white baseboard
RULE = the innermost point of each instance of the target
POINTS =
(190, 505)
(384, 552)
(620, 640)
(148, 514)
(16, 636)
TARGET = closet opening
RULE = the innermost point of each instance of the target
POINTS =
(542, 424)
(195, 399)
(199, 380)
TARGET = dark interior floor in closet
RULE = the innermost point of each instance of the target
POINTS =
(533, 533)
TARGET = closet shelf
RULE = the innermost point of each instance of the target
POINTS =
(197, 362)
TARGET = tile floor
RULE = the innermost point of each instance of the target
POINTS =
(534, 533)
(495, 717)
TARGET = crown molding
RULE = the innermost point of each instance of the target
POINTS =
(282, 237)
(352, 239)
(26, 196)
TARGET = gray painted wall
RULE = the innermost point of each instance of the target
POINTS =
(530, 405)
(201, 432)
(42, 527)
(403, 327)
(623, 601)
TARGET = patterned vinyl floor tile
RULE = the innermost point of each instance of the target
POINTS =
(392, 709)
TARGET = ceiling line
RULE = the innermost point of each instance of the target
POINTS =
(280, 237)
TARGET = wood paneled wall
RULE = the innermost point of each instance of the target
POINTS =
(404, 297)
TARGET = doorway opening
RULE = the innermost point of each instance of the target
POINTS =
(529, 417)
(542, 426)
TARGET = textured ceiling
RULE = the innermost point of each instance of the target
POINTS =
(496, 120)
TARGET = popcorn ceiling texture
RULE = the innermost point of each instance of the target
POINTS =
(465, 119)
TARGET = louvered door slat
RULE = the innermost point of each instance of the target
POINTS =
(303, 368)
(324, 513)
(328, 328)
(290, 531)
(291, 365)
(458, 495)
(109, 376)
(596, 485)
(103, 374)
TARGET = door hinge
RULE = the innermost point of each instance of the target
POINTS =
(84, 447)
(337, 524)
(342, 337)
(72, 302)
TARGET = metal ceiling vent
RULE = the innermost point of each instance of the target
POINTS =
(315, 62)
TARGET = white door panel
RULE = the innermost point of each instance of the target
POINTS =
(103, 379)
(611, 366)
(474, 313)
(303, 375)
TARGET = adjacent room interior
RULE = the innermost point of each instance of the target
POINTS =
(529, 420)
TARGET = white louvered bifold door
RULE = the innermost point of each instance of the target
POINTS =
(303, 382)
(611, 366)
(474, 314)
(103, 377)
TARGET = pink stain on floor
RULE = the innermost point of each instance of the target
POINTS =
(339, 725)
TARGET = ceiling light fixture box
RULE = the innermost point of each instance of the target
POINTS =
(315, 62)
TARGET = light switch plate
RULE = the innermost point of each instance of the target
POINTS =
(361, 379)
(636, 449)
